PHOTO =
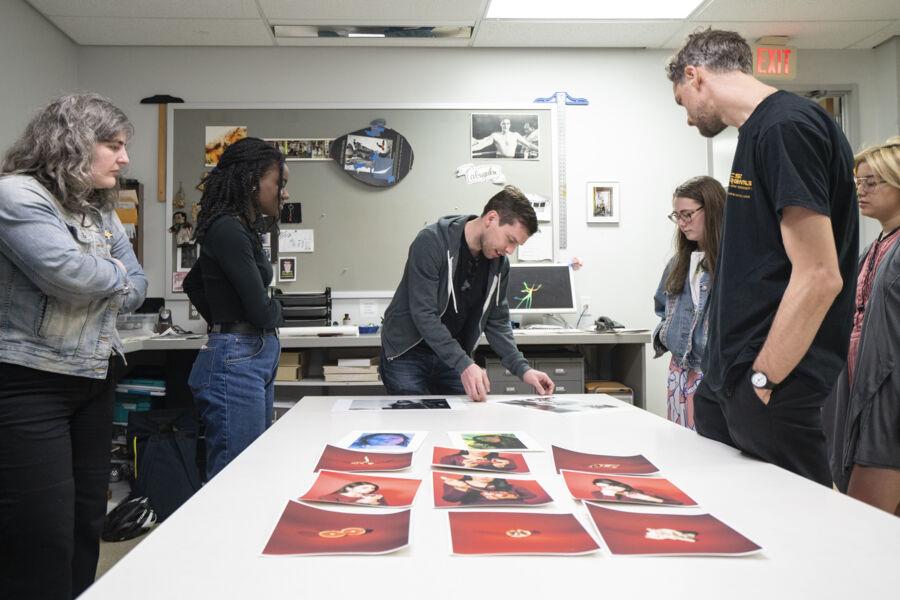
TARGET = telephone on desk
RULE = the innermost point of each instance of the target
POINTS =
(605, 324)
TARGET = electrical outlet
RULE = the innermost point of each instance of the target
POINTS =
(585, 305)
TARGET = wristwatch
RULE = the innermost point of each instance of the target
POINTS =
(760, 381)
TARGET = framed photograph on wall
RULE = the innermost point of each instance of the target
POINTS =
(287, 269)
(499, 135)
(604, 204)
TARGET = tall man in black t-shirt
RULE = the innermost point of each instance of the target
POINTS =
(780, 313)
(453, 289)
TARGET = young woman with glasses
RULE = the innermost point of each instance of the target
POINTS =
(862, 415)
(681, 299)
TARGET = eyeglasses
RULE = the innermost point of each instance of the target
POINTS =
(685, 215)
(867, 183)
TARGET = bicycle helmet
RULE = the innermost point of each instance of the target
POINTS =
(131, 518)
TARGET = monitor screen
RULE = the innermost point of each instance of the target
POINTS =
(541, 289)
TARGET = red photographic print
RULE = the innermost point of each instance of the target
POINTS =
(305, 529)
(654, 491)
(518, 533)
(667, 534)
(601, 463)
(341, 459)
(480, 489)
(479, 460)
(362, 490)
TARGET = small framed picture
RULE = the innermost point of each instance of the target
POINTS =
(186, 256)
(287, 269)
(603, 202)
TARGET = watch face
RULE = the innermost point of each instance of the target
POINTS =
(759, 379)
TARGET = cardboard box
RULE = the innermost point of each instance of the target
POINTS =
(288, 373)
(291, 358)
(615, 389)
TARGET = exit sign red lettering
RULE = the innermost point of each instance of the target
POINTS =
(775, 62)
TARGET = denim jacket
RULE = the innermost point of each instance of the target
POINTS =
(60, 292)
(682, 330)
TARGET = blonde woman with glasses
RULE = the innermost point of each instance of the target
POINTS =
(863, 411)
(681, 299)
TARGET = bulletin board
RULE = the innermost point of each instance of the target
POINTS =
(360, 234)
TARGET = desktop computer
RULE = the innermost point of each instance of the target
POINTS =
(541, 289)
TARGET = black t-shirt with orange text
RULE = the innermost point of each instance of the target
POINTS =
(790, 152)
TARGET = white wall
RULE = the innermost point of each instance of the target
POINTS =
(632, 132)
(37, 62)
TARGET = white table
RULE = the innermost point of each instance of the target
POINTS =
(816, 543)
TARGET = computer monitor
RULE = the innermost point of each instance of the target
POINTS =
(541, 288)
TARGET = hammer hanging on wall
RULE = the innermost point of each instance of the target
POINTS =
(162, 100)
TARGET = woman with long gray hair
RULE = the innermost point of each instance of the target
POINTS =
(67, 270)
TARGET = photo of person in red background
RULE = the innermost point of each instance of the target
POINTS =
(350, 488)
(478, 460)
(451, 489)
(641, 533)
(624, 489)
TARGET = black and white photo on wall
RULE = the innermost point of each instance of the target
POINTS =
(505, 135)
(185, 256)
(287, 269)
(291, 213)
(604, 204)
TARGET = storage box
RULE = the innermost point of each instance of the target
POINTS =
(123, 406)
(291, 358)
(288, 373)
(617, 390)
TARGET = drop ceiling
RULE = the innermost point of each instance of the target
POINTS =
(811, 24)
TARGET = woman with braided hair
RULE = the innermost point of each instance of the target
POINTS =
(233, 376)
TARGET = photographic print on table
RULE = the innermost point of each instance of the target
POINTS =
(287, 269)
(362, 490)
(394, 403)
(342, 459)
(479, 460)
(307, 530)
(654, 534)
(505, 135)
(495, 532)
(601, 463)
(654, 491)
(554, 404)
(220, 137)
(454, 490)
(296, 149)
(493, 440)
(604, 203)
(395, 440)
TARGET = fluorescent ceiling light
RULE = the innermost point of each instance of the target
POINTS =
(365, 35)
(599, 10)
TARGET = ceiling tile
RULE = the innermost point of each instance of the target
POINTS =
(879, 37)
(809, 35)
(799, 10)
(595, 34)
(161, 9)
(383, 12)
(165, 32)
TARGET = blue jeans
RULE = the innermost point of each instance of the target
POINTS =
(419, 372)
(233, 382)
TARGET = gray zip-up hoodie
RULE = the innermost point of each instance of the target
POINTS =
(426, 292)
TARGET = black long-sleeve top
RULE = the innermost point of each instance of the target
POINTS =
(228, 282)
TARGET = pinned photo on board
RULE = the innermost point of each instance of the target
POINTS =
(220, 137)
(300, 149)
(500, 135)
(291, 213)
(186, 256)
(287, 269)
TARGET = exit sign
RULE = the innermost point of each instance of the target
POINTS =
(775, 62)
